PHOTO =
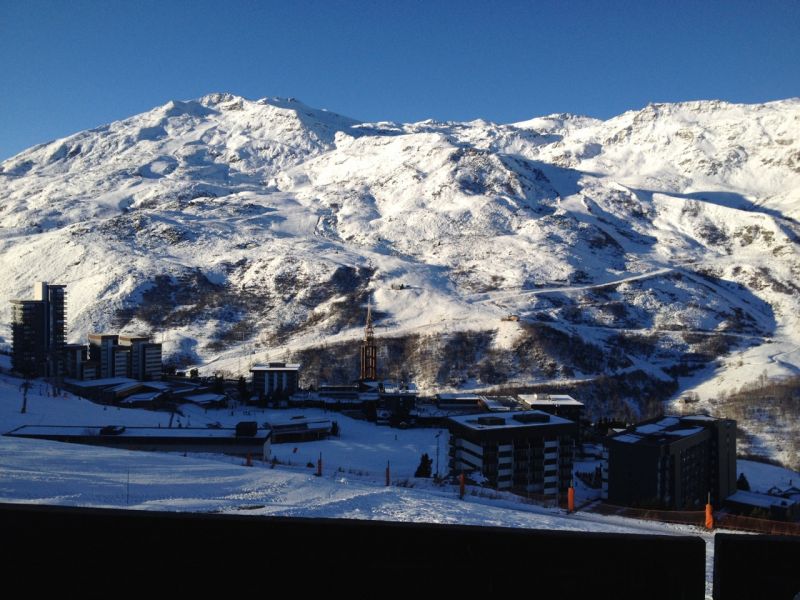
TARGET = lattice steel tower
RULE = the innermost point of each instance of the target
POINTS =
(369, 350)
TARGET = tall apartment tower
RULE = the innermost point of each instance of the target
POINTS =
(145, 357)
(38, 329)
(101, 351)
(369, 351)
(671, 462)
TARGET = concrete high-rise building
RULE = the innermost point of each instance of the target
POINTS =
(122, 361)
(671, 462)
(27, 337)
(75, 357)
(276, 380)
(524, 451)
(38, 329)
(145, 357)
(101, 351)
(132, 356)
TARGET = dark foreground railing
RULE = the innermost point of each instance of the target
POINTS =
(101, 553)
(756, 566)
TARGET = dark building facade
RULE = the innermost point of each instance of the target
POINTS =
(522, 451)
(38, 332)
(671, 463)
(101, 351)
(144, 358)
(275, 381)
(75, 356)
(132, 356)
(369, 351)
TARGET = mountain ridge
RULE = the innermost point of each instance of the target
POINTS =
(658, 245)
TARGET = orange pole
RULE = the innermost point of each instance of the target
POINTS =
(461, 485)
(571, 499)
(388, 474)
(319, 465)
(709, 514)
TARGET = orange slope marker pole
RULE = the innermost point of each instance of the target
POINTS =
(709, 514)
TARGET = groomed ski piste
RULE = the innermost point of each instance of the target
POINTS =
(352, 485)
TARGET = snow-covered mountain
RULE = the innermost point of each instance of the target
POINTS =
(633, 250)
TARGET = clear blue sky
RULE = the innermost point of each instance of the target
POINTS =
(67, 66)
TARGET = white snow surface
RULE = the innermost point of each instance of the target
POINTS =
(352, 485)
(278, 218)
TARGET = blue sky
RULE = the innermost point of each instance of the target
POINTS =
(68, 66)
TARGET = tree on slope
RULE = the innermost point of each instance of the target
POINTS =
(742, 483)
(424, 468)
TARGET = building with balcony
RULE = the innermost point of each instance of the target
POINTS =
(101, 351)
(38, 332)
(671, 463)
(275, 381)
(529, 452)
(133, 356)
(144, 357)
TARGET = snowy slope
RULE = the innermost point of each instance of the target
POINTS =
(352, 485)
(241, 230)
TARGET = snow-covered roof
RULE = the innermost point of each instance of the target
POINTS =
(684, 432)
(143, 397)
(495, 406)
(392, 387)
(628, 438)
(667, 426)
(304, 424)
(508, 420)
(206, 398)
(457, 396)
(125, 387)
(285, 367)
(760, 500)
(154, 432)
(651, 428)
(549, 400)
(171, 385)
(107, 382)
(698, 418)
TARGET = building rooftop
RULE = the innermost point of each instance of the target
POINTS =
(664, 430)
(519, 419)
(760, 500)
(494, 405)
(206, 398)
(142, 397)
(549, 400)
(275, 367)
(392, 387)
(462, 397)
(127, 387)
(130, 432)
(305, 423)
(106, 382)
